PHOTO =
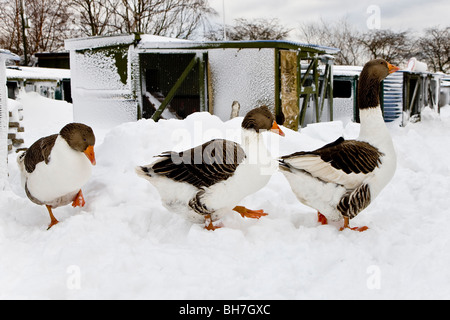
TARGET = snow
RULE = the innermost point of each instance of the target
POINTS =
(99, 41)
(151, 41)
(42, 116)
(5, 55)
(37, 73)
(166, 114)
(147, 40)
(125, 245)
(343, 70)
(230, 84)
(100, 92)
(3, 121)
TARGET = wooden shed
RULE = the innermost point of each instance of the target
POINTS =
(51, 83)
(124, 78)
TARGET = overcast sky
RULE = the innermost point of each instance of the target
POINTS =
(414, 15)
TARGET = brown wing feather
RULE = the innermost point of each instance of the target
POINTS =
(353, 202)
(38, 152)
(202, 166)
(350, 156)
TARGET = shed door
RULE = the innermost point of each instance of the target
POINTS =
(173, 84)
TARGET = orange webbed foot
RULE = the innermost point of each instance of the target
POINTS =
(52, 217)
(347, 226)
(208, 223)
(360, 229)
(52, 223)
(321, 218)
(247, 213)
(79, 200)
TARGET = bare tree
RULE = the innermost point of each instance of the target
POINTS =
(190, 17)
(256, 29)
(48, 25)
(53, 21)
(387, 44)
(434, 48)
(10, 36)
(134, 15)
(339, 34)
(94, 16)
(173, 18)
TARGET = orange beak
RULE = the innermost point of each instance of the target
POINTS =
(392, 68)
(275, 128)
(90, 154)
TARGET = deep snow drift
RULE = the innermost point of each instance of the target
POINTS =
(125, 244)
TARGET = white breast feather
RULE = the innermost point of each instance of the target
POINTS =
(67, 171)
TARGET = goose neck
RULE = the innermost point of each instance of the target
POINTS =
(368, 92)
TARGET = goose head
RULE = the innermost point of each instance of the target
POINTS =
(81, 138)
(261, 119)
(371, 75)
(378, 69)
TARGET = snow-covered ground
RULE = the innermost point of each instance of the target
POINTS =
(125, 244)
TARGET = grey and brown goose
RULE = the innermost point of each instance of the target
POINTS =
(342, 178)
(54, 168)
(208, 180)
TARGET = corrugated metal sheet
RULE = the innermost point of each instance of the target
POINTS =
(393, 96)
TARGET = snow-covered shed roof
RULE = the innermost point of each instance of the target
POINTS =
(37, 73)
(9, 55)
(109, 41)
(281, 44)
(145, 41)
(347, 70)
(445, 81)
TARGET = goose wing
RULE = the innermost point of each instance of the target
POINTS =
(202, 166)
(38, 152)
(345, 162)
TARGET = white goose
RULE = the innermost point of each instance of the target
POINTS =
(204, 182)
(54, 168)
(344, 177)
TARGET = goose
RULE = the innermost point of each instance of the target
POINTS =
(204, 182)
(55, 167)
(343, 177)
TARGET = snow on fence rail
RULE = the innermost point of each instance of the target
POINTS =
(4, 55)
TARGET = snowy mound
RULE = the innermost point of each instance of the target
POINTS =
(125, 244)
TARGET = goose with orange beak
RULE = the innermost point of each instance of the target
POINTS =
(55, 167)
(204, 182)
(343, 177)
